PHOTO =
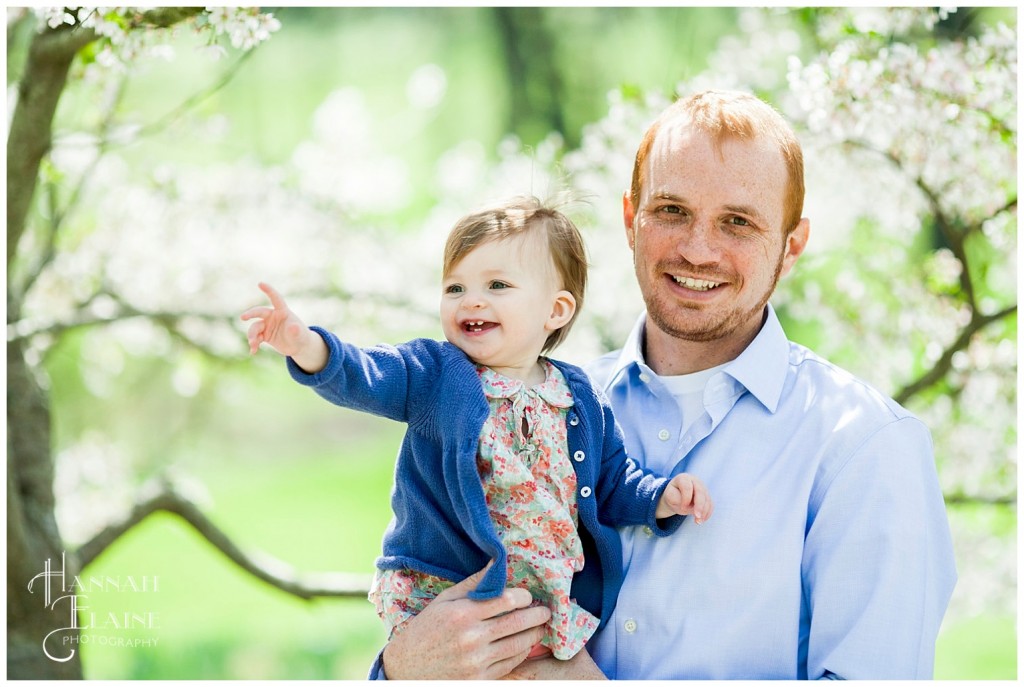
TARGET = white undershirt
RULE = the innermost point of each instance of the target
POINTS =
(688, 390)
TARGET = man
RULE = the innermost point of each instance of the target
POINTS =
(829, 555)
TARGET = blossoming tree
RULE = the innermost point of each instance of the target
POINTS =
(37, 244)
(910, 146)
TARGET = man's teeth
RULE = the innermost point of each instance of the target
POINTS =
(696, 284)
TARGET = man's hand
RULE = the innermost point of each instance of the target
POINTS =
(285, 332)
(685, 495)
(579, 667)
(459, 638)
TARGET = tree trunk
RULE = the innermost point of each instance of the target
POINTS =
(33, 538)
(534, 79)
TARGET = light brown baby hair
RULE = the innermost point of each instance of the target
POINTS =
(516, 216)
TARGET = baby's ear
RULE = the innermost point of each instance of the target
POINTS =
(562, 311)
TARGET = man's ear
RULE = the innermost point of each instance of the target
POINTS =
(562, 311)
(795, 244)
(628, 214)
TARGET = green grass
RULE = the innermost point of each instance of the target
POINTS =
(317, 513)
(980, 648)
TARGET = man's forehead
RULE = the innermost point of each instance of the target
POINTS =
(681, 137)
(741, 171)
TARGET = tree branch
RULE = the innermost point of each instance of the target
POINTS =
(945, 361)
(195, 98)
(274, 572)
(50, 55)
(955, 239)
(29, 139)
(969, 500)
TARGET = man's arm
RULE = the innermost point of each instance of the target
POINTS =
(878, 564)
(459, 638)
(579, 667)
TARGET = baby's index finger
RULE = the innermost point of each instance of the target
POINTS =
(275, 298)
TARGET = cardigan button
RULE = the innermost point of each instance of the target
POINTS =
(585, 492)
(579, 456)
(574, 421)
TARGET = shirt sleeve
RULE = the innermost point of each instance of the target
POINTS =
(878, 567)
(377, 669)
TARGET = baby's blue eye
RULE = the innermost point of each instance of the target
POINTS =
(499, 285)
(454, 288)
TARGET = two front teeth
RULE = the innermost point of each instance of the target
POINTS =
(696, 284)
(474, 326)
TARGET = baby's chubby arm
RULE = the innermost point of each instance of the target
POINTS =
(285, 332)
(685, 495)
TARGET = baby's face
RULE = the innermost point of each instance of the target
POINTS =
(498, 302)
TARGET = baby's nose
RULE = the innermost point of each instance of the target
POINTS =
(473, 302)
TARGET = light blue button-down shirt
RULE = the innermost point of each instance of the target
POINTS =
(829, 552)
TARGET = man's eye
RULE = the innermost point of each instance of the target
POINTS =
(739, 221)
(499, 285)
(672, 209)
(453, 288)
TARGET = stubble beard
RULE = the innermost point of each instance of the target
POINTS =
(665, 314)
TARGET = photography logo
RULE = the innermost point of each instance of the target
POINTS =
(65, 599)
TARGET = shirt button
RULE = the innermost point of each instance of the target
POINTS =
(648, 531)
(663, 435)
(585, 492)
(629, 626)
(644, 377)
(579, 456)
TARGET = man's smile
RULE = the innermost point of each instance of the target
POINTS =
(696, 284)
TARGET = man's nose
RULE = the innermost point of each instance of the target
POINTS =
(699, 244)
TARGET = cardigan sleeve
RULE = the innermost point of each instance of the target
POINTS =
(390, 381)
(626, 493)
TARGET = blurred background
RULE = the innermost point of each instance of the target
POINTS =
(328, 151)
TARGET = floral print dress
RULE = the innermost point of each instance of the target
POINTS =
(530, 486)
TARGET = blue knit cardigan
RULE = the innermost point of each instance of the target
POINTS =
(441, 524)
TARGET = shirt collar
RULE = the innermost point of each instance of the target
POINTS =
(761, 368)
(554, 390)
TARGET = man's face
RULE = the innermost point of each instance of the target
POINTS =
(707, 237)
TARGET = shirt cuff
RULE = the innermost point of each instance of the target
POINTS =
(377, 669)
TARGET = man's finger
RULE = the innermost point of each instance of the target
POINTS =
(502, 628)
(511, 651)
(509, 600)
(515, 634)
(460, 590)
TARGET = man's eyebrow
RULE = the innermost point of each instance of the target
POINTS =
(666, 195)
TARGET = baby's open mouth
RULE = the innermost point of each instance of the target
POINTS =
(478, 325)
